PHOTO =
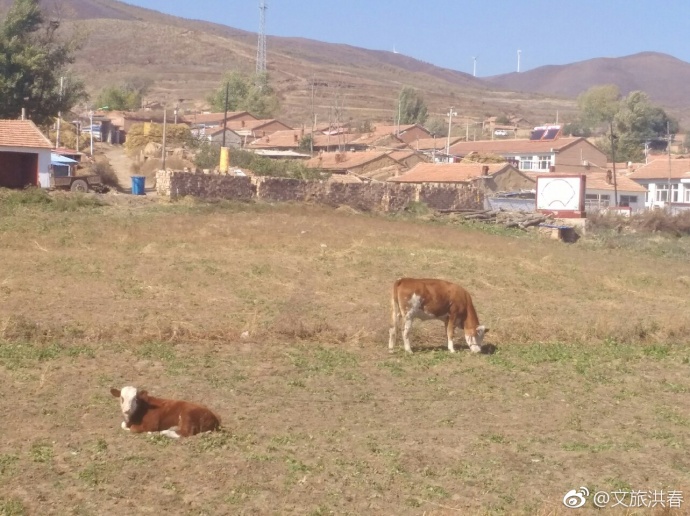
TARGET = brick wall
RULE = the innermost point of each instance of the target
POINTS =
(361, 196)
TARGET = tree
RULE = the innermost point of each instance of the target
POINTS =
(437, 127)
(32, 60)
(577, 128)
(305, 143)
(125, 97)
(632, 119)
(119, 98)
(245, 94)
(638, 121)
(411, 107)
(599, 105)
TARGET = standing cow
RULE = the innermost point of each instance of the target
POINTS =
(434, 299)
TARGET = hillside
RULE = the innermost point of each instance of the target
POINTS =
(663, 77)
(185, 59)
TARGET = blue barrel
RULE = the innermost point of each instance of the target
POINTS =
(138, 185)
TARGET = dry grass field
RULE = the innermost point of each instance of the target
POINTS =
(584, 381)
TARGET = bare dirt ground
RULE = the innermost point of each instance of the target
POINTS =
(584, 383)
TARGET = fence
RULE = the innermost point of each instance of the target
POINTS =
(361, 196)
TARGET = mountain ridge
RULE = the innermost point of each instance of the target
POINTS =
(185, 59)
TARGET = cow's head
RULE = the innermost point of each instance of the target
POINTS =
(130, 399)
(475, 338)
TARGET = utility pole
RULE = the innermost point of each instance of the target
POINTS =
(668, 151)
(165, 120)
(474, 66)
(519, 52)
(613, 158)
(397, 131)
(91, 130)
(225, 117)
(57, 136)
(451, 114)
(313, 119)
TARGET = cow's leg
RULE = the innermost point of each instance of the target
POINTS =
(171, 432)
(450, 329)
(406, 333)
(393, 332)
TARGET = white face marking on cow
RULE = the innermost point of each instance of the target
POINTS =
(128, 401)
(475, 342)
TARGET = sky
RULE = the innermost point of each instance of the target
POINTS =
(459, 34)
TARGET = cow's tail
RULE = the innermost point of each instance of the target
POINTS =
(395, 316)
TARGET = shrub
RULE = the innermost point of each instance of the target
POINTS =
(106, 172)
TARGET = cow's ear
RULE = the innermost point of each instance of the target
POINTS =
(115, 392)
(482, 330)
(143, 395)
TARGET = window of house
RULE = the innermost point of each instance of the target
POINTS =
(662, 192)
(597, 201)
(525, 162)
(628, 200)
(687, 195)
(544, 162)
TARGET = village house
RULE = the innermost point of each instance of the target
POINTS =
(197, 120)
(392, 136)
(355, 163)
(491, 177)
(24, 155)
(435, 147)
(600, 192)
(408, 157)
(291, 140)
(661, 176)
(232, 139)
(566, 155)
(252, 129)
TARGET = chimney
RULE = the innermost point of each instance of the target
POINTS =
(552, 168)
(485, 170)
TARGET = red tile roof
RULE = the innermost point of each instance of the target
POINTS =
(22, 133)
(597, 181)
(434, 143)
(253, 125)
(210, 118)
(344, 160)
(448, 172)
(512, 146)
(659, 169)
(291, 139)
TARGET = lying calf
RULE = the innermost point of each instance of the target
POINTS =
(172, 418)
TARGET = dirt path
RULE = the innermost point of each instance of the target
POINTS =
(122, 165)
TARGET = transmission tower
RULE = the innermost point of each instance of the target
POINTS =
(261, 50)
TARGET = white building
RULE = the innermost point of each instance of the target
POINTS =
(665, 181)
(24, 155)
(600, 192)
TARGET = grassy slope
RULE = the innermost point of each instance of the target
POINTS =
(588, 384)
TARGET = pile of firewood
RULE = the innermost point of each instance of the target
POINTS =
(509, 219)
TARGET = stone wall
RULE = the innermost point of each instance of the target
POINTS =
(373, 196)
